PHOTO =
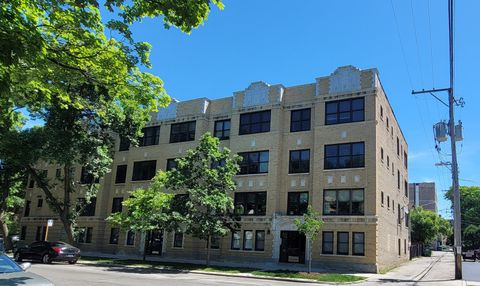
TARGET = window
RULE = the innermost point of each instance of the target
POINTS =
(114, 234)
(254, 122)
(144, 170)
(388, 202)
(58, 173)
(222, 129)
(40, 233)
(121, 175)
(349, 155)
(382, 198)
(343, 202)
(297, 203)
(124, 144)
(26, 211)
(87, 178)
(342, 243)
(388, 162)
(405, 246)
(84, 234)
(214, 242)
(259, 240)
(150, 136)
(179, 203)
(235, 240)
(388, 124)
(327, 242)
(398, 179)
(117, 205)
(407, 219)
(181, 132)
(178, 239)
(398, 146)
(39, 203)
(399, 216)
(399, 247)
(171, 164)
(344, 111)
(130, 237)
(300, 120)
(393, 205)
(406, 188)
(250, 203)
(405, 160)
(381, 154)
(86, 209)
(254, 162)
(248, 240)
(358, 243)
(23, 233)
(381, 112)
(31, 183)
(299, 161)
(393, 169)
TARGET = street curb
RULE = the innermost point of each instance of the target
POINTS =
(251, 276)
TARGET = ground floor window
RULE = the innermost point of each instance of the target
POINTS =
(260, 240)
(358, 243)
(84, 234)
(130, 237)
(235, 240)
(114, 234)
(248, 240)
(342, 243)
(214, 242)
(23, 233)
(40, 233)
(327, 242)
(178, 239)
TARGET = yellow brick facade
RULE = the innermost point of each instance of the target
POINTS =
(379, 223)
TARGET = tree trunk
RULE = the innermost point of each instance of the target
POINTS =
(208, 250)
(67, 225)
(145, 246)
(6, 240)
(309, 255)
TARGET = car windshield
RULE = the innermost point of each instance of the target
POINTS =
(8, 266)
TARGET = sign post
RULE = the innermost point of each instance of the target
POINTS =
(49, 224)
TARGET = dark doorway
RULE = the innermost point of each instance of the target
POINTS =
(292, 249)
(154, 242)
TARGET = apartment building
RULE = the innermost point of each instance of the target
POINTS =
(423, 195)
(334, 144)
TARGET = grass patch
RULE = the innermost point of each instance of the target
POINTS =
(322, 277)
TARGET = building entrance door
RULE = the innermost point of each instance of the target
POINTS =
(292, 249)
(154, 242)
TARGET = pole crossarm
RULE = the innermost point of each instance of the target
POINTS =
(431, 91)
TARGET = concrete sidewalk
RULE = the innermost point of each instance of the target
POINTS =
(437, 270)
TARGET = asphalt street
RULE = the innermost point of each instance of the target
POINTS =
(82, 275)
(471, 272)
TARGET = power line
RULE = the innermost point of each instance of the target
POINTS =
(431, 43)
(416, 43)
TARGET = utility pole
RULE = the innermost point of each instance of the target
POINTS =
(451, 128)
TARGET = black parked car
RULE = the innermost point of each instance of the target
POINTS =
(47, 251)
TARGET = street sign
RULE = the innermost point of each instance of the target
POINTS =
(50, 222)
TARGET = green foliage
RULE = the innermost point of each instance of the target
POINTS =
(469, 205)
(471, 237)
(147, 210)
(58, 63)
(426, 225)
(310, 226)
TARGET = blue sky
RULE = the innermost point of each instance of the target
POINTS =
(292, 42)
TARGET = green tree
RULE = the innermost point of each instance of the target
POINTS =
(469, 205)
(427, 225)
(206, 175)
(310, 226)
(57, 62)
(471, 237)
(147, 210)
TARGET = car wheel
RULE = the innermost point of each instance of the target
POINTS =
(46, 259)
(72, 262)
(17, 257)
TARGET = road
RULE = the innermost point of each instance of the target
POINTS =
(471, 272)
(82, 275)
